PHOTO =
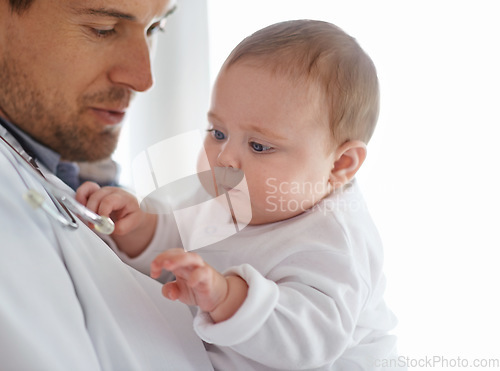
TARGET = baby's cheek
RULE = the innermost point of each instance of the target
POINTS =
(204, 172)
(289, 198)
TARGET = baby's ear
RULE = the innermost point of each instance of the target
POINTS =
(348, 159)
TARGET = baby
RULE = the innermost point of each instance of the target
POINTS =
(301, 286)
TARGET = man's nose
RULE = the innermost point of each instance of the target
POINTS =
(132, 67)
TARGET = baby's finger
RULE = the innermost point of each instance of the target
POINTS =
(111, 200)
(95, 199)
(177, 290)
(157, 264)
(171, 291)
(175, 259)
(126, 224)
(184, 260)
(85, 190)
(164, 258)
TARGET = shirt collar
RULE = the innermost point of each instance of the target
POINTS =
(41, 153)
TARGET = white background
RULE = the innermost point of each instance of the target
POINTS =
(431, 179)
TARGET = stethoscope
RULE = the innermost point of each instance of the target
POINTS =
(62, 199)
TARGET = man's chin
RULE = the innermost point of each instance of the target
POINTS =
(92, 154)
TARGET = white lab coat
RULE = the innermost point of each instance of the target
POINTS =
(67, 302)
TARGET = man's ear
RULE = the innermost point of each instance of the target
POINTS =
(348, 159)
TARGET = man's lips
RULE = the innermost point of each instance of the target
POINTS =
(109, 116)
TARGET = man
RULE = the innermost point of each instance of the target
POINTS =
(68, 70)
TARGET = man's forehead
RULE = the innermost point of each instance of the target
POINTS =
(142, 11)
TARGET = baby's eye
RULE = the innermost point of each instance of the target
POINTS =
(217, 134)
(257, 147)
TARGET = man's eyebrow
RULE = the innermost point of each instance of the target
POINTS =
(170, 11)
(103, 12)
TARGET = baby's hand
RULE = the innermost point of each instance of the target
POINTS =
(121, 206)
(197, 283)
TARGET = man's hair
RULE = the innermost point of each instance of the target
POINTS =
(320, 54)
(20, 6)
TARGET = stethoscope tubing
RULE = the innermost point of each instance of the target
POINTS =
(61, 199)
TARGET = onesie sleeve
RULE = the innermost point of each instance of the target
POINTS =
(261, 300)
(166, 236)
(302, 314)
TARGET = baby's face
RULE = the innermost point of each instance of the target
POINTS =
(267, 127)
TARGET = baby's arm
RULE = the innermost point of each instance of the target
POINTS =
(197, 283)
(134, 229)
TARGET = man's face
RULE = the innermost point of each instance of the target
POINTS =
(69, 68)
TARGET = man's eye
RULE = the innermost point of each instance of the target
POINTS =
(157, 26)
(257, 147)
(217, 134)
(100, 33)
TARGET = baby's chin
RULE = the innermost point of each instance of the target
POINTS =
(229, 188)
(267, 216)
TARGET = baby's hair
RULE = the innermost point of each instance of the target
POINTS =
(320, 54)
